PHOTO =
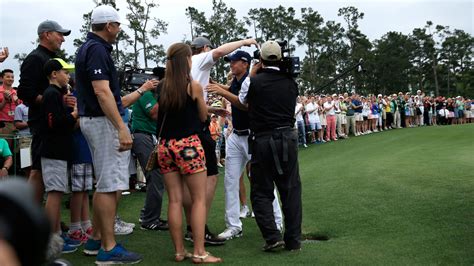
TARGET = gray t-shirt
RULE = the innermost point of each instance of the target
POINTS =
(21, 114)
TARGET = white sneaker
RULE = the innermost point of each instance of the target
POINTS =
(123, 223)
(244, 212)
(120, 229)
(230, 233)
(304, 145)
(253, 215)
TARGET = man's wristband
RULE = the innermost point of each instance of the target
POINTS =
(140, 91)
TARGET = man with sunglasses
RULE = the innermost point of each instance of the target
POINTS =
(100, 107)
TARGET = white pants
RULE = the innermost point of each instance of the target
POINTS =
(236, 158)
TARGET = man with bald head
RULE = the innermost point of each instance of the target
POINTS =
(32, 85)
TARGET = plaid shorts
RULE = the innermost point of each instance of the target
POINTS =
(81, 177)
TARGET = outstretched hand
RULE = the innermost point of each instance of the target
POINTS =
(4, 54)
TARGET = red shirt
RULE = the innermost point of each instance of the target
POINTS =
(7, 113)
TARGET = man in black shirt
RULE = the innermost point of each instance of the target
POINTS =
(271, 99)
(237, 152)
(33, 82)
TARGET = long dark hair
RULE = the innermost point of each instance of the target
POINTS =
(177, 77)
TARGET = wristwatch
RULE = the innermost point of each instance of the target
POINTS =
(140, 91)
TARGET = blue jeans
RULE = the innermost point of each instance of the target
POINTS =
(301, 132)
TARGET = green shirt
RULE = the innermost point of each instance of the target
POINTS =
(141, 120)
(4, 149)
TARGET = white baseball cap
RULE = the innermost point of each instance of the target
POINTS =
(104, 14)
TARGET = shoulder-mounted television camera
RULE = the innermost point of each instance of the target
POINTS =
(132, 78)
(288, 64)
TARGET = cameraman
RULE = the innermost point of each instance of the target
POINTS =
(271, 98)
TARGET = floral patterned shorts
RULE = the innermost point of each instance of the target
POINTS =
(185, 155)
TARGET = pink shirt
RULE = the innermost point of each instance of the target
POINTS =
(7, 113)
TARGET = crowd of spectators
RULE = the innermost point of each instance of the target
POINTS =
(325, 118)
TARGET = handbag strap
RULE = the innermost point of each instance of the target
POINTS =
(161, 128)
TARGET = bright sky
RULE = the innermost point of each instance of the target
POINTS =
(19, 18)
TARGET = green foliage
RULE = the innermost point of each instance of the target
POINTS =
(139, 19)
(433, 58)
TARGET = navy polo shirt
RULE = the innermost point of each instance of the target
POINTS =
(357, 103)
(240, 119)
(94, 62)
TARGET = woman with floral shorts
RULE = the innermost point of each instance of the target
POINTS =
(181, 114)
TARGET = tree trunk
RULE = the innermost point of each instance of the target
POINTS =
(435, 76)
(145, 50)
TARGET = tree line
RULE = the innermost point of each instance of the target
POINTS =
(432, 58)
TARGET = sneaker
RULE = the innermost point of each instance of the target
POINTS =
(188, 236)
(68, 249)
(71, 242)
(55, 247)
(117, 255)
(122, 229)
(89, 232)
(160, 225)
(245, 212)
(274, 245)
(219, 165)
(230, 233)
(253, 215)
(78, 235)
(304, 145)
(212, 240)
(91, 247)
(121, 222)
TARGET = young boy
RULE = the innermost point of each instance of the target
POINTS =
(80, 228)
(57, 124)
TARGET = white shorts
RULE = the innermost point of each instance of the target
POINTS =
(110, 165)
(55, 175)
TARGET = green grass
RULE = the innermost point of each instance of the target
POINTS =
(402, 197)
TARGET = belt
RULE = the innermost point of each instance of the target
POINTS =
(273, 131)
(244, 132)
(142, 132)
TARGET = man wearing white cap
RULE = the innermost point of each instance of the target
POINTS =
(100, 107)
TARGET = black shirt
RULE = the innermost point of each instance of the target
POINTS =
(240, 119)
(272, 100)
(57, 125)
(179, 123)
(94, 62)
(33, 82)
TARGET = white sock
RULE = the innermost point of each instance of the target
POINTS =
(86, 225)
(74, 227)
